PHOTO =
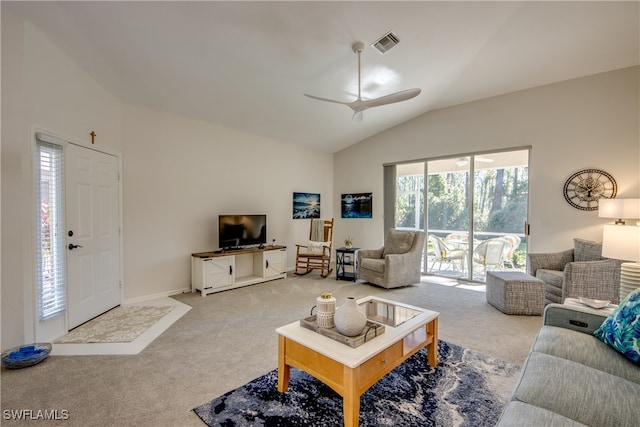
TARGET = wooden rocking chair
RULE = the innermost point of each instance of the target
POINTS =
(317, 254)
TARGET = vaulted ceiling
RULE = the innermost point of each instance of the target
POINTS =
(246, 65)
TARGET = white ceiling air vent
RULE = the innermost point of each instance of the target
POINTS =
(386, 42)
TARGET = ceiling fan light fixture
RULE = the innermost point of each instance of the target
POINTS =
(484, 159)
(461, 162)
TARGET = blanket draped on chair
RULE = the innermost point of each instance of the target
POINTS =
(317, 230)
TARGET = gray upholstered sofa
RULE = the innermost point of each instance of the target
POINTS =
(577, 272)
(397, 263)
(571, 378)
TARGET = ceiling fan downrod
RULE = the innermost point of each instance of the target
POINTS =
(358, 47)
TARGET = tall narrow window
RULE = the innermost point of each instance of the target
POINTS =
(409, 196)
(50, 240)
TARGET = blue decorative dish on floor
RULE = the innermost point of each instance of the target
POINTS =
(26, 355)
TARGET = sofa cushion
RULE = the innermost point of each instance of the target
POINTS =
(551, 298)
(553, 284)
(398, 242)
(575, 391)
(552, 278)
(621, 330)
(519, 414)
(586, 250)
(372, 264)
(585, 349)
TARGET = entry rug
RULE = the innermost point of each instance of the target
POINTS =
(122, 324)
(467, 388)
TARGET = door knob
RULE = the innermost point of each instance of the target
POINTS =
(72, 246)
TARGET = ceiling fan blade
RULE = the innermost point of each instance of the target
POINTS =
(326, 99)
(403, 95)
(483, 159)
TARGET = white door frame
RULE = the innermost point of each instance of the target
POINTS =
(58, 326)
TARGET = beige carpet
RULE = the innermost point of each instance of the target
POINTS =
(228, 339)
(122, 324)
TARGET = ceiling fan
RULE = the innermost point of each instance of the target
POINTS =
(462, 161)
(359, 105)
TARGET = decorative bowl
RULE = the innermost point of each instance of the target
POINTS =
(25, 355)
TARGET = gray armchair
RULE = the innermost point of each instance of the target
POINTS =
(397, 263)
(578, 272)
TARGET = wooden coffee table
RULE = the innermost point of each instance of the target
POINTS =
(351, 371)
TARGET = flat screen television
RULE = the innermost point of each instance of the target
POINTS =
(237, 231)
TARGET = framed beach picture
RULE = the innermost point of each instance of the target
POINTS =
(357, 205)
(306, 205)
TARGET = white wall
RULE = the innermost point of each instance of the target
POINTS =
(591, 122)
(179, 174)
(41, 89)
(13, 136)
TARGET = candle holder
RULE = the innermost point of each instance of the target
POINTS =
(326, 308)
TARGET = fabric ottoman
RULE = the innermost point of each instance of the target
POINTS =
(515, 292)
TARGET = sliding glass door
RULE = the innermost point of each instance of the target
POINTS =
(475, 208)
(409, 212)
(448, 199)
(500, 199)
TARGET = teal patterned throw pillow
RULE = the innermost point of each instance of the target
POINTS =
(621, 330)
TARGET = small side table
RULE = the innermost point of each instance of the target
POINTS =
(347, 257)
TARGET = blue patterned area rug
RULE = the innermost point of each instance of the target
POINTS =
(467, 388)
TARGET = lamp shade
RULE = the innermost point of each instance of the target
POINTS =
(631, 208)
(610, 208)
(619, 208)
(621, 242)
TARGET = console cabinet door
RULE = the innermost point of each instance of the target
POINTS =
(273, 263)
(218, 272)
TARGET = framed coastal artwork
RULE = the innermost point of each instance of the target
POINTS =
(356, 205)
(306, 205)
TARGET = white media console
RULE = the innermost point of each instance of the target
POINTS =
(222, 270)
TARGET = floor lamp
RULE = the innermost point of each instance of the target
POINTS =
(623, 242)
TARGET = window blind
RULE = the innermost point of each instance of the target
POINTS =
(50, 239)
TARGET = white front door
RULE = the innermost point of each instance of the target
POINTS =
(93, 242)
